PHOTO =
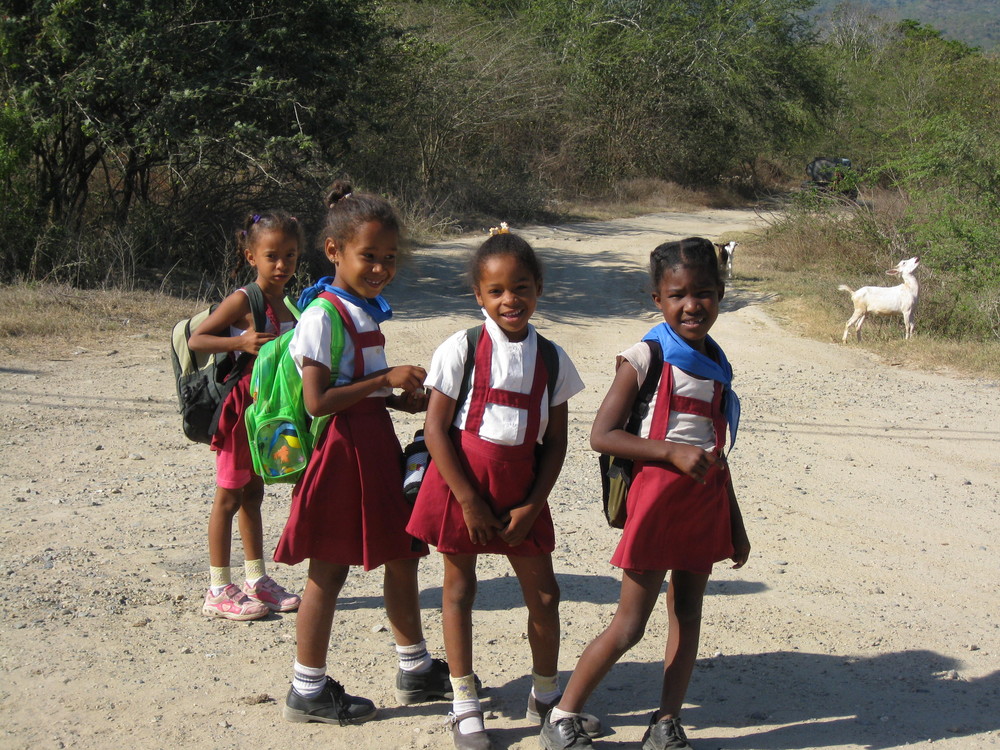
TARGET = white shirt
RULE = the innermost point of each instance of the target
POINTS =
(512, 369)
(312, 340)
(689, 429)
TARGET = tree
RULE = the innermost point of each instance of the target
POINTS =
(135, 102)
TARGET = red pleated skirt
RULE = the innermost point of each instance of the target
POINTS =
(234, 466)
(675, 523)
(349, 508)
(503, 476)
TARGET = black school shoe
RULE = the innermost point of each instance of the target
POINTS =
(565, 734)
(537, 710)
(432, 685)
(665, 734)
(332, 706)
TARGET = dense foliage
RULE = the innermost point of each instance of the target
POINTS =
(133, 135)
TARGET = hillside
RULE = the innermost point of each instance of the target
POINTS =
(975, 22)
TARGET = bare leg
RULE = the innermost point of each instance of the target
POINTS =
(220, 525)
(315, 619)
(402, 601)
(684, 600)
(251, 525)
(541, 597)
(456, 611)
(638, 597)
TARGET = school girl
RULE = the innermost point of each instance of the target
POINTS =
(348, 508)
(682, 511)
(270, 242)
(497, 446)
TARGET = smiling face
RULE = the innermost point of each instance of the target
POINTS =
(274, 254)
(508, 291)
(366, 262)
(689, 299)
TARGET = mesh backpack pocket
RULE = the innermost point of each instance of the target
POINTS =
(281, 433)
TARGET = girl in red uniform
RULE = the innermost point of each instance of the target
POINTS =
(270, 242)
(348, 508)
(682, 511)
(496, 447)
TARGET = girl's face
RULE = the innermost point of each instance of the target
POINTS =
(689, 299)
(274, 254)
(365, 263)
(509, 293)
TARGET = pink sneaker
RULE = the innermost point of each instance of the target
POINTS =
(233, 604)
(271, 595)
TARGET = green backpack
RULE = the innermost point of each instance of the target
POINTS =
(280, 431)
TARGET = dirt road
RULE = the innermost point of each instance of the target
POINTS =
(866, 618)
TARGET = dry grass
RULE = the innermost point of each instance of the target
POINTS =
(807, 301)
(650, 195)
(54, 319)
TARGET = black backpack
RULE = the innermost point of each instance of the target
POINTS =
(616, 472)
(205, 379)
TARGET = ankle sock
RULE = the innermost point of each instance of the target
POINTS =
(219, 578)
(308, 681)
(558, 714)
(545, 689)
(466, 700)
(414, 658)
(253, 570)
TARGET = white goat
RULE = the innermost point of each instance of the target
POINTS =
(726, 253)
(886, 300)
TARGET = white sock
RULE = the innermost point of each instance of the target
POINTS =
(414, 658)
(254, 571)
(467, 700)
(219, 578)
(308, 681)
(558, 715)
(545, 689)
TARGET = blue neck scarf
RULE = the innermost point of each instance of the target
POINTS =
(679, 353)
(377, 308)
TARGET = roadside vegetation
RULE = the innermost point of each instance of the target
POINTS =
(134, 138)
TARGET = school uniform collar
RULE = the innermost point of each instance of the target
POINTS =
(499, 337)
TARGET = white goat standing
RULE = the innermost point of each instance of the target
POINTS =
(886, 300)
(726, 253)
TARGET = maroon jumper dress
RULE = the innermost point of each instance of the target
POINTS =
(674, 522)
(502, 474)
(349, 508)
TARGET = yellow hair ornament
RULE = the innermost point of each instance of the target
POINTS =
(502, 229)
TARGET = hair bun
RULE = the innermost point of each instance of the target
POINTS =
(339, 190)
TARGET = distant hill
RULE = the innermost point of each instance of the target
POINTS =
(975, 22)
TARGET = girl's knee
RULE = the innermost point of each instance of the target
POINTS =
(688, 610)
(460, 591)
(227, 501)
(328, 576)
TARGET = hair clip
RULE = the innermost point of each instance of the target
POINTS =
(255, 219)
(502, 229)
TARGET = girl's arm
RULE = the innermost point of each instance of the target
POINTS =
(521, 518)
(741, 543)
(321, 398)
(213, 334)
(609, 436)
(480, 520)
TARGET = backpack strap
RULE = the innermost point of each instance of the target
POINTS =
(640, 407)
(546, 350)
(336, 335)
(471, 342)
(258, 306)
